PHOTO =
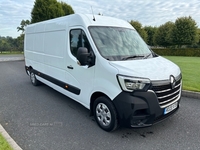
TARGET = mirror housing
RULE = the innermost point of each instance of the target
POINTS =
(83, 56)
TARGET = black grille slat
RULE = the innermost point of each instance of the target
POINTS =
(161, 88)
(164, 87)
(168, 97)
(168, 92)
(165, 94)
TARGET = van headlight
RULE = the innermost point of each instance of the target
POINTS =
(130, 84)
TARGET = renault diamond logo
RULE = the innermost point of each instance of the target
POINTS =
(172, 81)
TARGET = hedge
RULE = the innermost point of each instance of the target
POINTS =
(178, 52)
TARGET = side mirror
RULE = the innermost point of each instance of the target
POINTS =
(83, 55)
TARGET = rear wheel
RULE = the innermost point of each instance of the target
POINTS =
(33, 78)
(105, 114)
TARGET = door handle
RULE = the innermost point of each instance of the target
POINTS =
(70, 67)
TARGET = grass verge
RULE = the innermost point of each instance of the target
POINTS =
(190, 67)
(4, 144)
(11, 52)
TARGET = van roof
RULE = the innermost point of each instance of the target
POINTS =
(85, 20)
(99, 20)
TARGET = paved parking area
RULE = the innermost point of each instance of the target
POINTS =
(39, 118)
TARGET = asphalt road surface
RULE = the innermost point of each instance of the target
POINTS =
(39, 118)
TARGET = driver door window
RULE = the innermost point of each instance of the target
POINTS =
(78, 39)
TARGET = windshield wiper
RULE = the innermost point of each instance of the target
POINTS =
(131, 57)
(145, 57)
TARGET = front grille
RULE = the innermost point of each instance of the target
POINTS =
(165, 94)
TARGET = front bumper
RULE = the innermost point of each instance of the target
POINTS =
(140, 109)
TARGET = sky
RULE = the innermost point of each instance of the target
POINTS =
(147, 12)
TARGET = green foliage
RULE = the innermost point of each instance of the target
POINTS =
(185, 31)
(67, 9)
(182, 33)
(150, 34)
(4, 44)
(49, 9)
(23, 24)
(178, 52)
(198, 37)
(138, 26)
(10, 44)
(163, 36)
(20, 42)
(42, 10)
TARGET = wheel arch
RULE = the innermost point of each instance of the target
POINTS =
(93, 98)
(28, 69)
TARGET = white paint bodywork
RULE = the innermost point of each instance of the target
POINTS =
(155, 69)
(47, 49)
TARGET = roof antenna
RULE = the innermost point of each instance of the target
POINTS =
(93, 14)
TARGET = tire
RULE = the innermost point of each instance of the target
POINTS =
(33, 78)
(105, 114)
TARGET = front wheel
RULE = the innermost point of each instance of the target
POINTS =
(33, 78)
(105, 114)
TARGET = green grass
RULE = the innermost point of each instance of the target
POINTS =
(4, 144)
(190, 67)
(11, 52)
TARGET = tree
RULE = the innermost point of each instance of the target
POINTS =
(49, 9)
(23, 24)
(138, 26)
(43, 10)
(67, 9)
(20, 42)
(4, 45)
(20, 39)
(9, 44)
(185, 31)
(1, 45)
(198, 33)
(163, 36)
(150, 34)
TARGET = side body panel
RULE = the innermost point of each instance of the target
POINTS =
(45, 48)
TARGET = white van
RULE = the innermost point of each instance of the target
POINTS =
(103, 63)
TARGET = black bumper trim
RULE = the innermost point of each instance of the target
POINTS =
(139, 109)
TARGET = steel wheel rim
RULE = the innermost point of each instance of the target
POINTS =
(103, 114)
(32, 78)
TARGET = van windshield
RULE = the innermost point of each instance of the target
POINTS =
(116, 44)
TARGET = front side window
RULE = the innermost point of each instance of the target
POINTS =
(78, 39)
(115, 43)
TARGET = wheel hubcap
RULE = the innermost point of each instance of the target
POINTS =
(103, 114)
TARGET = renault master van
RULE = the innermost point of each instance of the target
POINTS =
(103, 63)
